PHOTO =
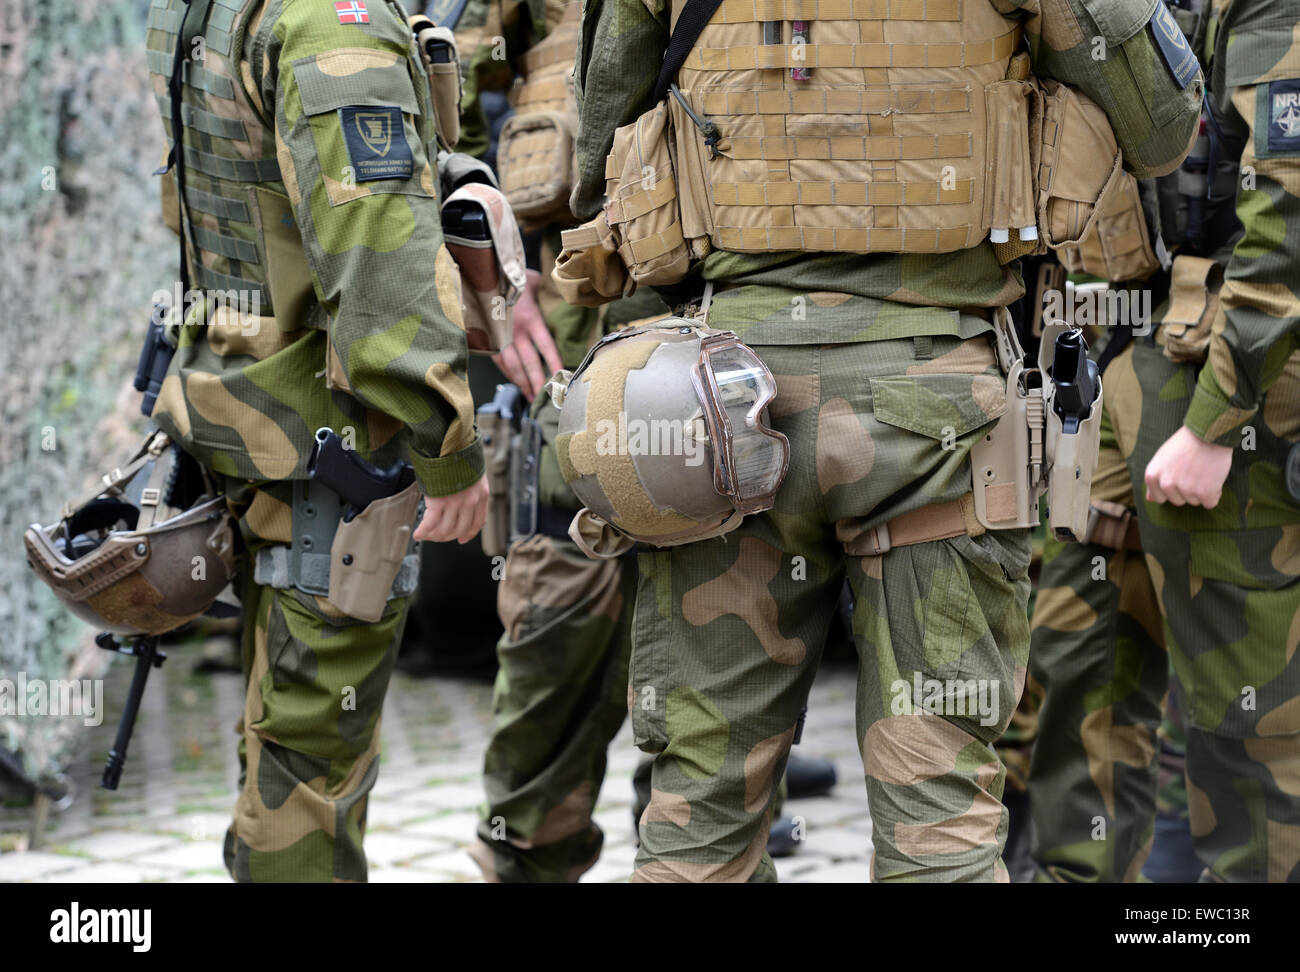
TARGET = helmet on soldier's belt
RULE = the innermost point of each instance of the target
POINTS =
(664, 436)
(148, 552)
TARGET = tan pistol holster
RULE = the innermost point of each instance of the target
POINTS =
(1028, 453)
(535, 152)
(1193, 304)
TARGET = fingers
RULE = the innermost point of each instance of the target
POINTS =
(510, 366)
(458, 517)
(532, 369)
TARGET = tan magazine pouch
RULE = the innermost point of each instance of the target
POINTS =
(1078, 163)
(1118, 247)
(444, 76)
(1193, 304)
(589, 272)
(367, 553)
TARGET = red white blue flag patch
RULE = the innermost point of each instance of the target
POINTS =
(352, 12)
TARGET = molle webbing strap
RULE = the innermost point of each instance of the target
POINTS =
(206, 121)
(693, 20)
(214, 84)
(764, 57)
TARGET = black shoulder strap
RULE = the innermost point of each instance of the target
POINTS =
(685, 34)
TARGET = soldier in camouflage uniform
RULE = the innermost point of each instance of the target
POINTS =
(561, 689)
(1204, 447)
(886, 376)
(308, 183)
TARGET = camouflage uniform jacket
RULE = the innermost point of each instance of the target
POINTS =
(1257, 327)
(309, 183)
(849, 297)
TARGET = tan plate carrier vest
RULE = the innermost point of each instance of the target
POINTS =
(535, 153)
(904, 138)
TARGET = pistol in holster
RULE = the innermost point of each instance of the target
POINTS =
(498, 425)
(1046, 441)
(155, 358)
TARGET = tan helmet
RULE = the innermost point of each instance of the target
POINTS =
(663, 435)
(148, 552)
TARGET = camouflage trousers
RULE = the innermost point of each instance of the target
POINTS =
(728, 632)
(560, 698)
(309, 734)
(1097, 651)
(1227, 582)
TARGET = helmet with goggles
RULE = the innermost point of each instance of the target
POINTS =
(664, 436)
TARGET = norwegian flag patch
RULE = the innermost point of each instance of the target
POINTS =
(352, 12)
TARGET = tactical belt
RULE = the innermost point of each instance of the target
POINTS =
(942, 521)
(271, 569)
(1112, 525)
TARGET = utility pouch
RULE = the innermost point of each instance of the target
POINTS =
(1118, 247)
(1193, 304)
(442, 65)
(641, 222)
(589, 272)
(368, 551)
(535, 163)
(1078, 162)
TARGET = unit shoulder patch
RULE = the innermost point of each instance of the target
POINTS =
(1174, 49)
(376, 141)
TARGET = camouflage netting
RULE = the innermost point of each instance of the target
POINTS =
(84, 248)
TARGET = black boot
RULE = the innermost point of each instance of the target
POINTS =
(807, 777)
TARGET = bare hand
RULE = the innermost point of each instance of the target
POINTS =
(531, 356)
(457, 517)
(1188, 471)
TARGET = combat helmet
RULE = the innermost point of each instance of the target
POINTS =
(663, 435)
(149, 551)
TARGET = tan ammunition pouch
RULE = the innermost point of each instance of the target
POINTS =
(1118, 247)
(444, 77)
(1112, 525)
(535, 152)
(637, 238)
(1027, 453)
(1078, 163)
(1193, 304)
(368, 552)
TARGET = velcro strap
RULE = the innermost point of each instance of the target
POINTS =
(942, 521)
(580, 238)
(1112, 525)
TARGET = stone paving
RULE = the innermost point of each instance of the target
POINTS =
(166, 821)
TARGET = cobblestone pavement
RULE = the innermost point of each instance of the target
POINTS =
(167, 819)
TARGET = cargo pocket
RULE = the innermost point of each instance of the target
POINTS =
(364, 125)
(943, 407)
(535, 162)
(1078, 163)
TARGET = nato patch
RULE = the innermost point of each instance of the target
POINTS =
(376, 142)
(1284, 115)
(1175, 50)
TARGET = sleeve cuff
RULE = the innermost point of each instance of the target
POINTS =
(1213, 418)
(447, 475)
